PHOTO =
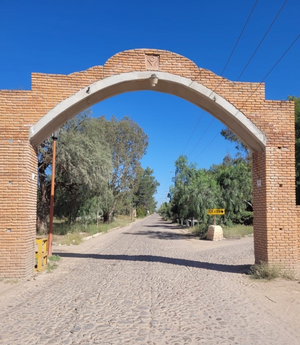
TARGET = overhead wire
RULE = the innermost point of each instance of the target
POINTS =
(269, 28)
(265, 35)
(223, 71)
(265, 77)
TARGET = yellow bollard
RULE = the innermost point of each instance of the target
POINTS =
(41, 254)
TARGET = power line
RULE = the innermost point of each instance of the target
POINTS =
(277, 62)
(207, 146)
(202, 135)
(193, 131)
(252, 58)
(239, 37)
(262, 40)
(221, 80)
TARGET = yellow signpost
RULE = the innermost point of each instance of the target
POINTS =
(216, 212)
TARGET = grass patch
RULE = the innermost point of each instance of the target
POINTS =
(62, 228)
(267, 271)
(54, 258)
(11, 281)
(51, 266)
(73, 234)
(74, 238)
(237, 231)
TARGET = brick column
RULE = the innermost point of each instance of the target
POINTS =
(18, 186)
(275, 216)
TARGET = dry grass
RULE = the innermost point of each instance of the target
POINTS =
(267, 271)
(237, 231)
(73, 235)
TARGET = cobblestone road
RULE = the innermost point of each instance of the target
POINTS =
(144, 284)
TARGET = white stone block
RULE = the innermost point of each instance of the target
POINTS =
(214, 233)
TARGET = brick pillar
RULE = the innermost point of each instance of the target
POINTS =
(275, 217)
(18, 187)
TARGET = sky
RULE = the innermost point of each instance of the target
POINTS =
(66, 36)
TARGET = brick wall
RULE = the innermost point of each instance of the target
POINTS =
(276, 234)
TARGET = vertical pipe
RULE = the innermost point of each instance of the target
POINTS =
(52, 201)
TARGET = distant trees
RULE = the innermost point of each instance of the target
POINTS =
(144, 196)
(98, 170)
(228, 186)
(243, 151)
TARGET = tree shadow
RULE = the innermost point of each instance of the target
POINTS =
(161, 259)
(161, 235)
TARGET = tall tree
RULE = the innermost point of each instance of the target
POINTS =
(83, 167)
(235, 181)
(128, 143)
(147, 187)
(194, 191)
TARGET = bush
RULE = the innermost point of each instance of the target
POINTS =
(140, 212)
(270, 271)
(244, 217)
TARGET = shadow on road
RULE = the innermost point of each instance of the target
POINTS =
(161, 235)
(162, 259)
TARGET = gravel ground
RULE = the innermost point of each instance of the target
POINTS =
(151, 283)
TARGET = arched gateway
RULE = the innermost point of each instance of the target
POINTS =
(29, 117)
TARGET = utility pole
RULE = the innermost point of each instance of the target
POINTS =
(54, 137)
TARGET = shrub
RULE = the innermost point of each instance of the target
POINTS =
(270, 271)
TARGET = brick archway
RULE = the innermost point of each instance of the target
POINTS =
(267, 127)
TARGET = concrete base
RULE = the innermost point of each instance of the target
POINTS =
(214, 233)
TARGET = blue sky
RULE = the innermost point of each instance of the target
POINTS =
(62, 36)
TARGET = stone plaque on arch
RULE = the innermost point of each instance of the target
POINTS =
(152, 61)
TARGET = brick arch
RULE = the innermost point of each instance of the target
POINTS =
(185, 88)
(27, 117)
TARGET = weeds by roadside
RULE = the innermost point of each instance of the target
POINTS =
(236, 231)
(270, 271)
(10, 281)
(74, 234)
(52, 263)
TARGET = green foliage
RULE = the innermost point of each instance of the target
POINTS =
(141, 212)
(165, 211)
(54, 258)
(243, 217)
(146, 188)
(228, 186)
(297, 144)
(243, 151)
(194, 191)
(97, 166)
(235, 181)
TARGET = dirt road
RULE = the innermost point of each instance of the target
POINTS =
(150, 283)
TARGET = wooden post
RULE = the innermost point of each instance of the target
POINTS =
(51, 201)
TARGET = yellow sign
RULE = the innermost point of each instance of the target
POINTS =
(216, 211)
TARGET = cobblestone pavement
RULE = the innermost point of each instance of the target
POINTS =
(148, 283)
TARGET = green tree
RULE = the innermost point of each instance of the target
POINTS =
(297, 144)
(147, 187)
(235, 181)
(194, 191)
(243, 151)
(165, 211)
(127, 143)
(83, 170)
